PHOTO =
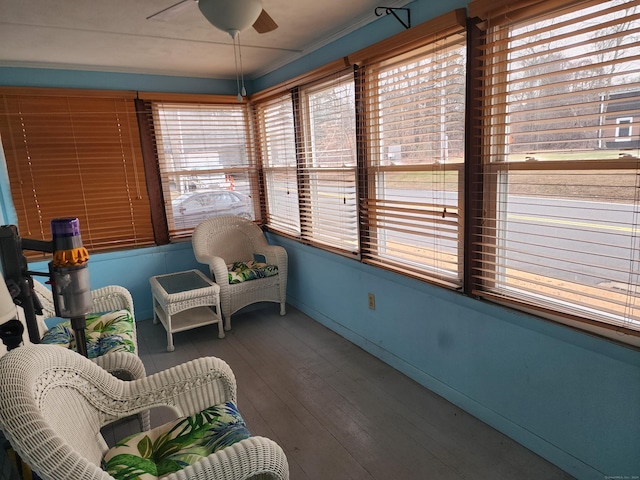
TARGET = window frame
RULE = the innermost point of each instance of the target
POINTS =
(272, 137)
(315, 216)
(479, 192)
(437, 220)
(488, 177)
(178, 229)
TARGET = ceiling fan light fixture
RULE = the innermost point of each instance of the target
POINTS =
(231, 15)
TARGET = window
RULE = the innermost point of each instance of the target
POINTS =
(76, 154)
(623, 131)
(326, 130)
(279, 163)
(398, 174)
(206, 162)
(412, 192)
(558, 204)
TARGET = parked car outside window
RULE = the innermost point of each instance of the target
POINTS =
(192, 208)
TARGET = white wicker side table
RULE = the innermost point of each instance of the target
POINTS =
(183, 300)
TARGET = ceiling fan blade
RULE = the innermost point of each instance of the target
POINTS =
(264, 23)
(170, 12)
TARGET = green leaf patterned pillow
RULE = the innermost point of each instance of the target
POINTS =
(106, 332)
(244, 271)
(176, 445)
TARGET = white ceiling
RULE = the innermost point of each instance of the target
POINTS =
(115, 36)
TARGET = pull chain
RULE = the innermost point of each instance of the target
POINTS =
(235, 58)
(243, 92)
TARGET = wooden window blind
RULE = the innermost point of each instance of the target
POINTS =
(206, 161)
(276, 128)
(326, 135)
(559, 185)
(73, 153)
(411, 192)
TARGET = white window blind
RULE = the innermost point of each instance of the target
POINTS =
(559, 150)
(206, 162)
(327, 188)
(76, 153)
(414, 134)
(278, 152)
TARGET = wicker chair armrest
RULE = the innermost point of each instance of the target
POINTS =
(254, 456)
(219, 271)
(125, 366)
(120, 364)
(112, 297)
(187, 388)
(275, 255)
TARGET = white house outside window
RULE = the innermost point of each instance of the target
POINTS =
(624, 129)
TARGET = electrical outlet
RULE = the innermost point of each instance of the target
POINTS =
(372, 301)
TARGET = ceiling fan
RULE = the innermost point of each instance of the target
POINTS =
(228, 15)
(231, 16)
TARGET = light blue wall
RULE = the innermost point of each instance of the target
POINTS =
(385, 26)
(570, 397)
(7, 212)
(46, 77)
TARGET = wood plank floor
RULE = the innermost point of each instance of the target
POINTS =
(338, 412)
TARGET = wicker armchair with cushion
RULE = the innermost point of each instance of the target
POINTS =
(53, 403)
(111, 333)
(108, 301)
(241, 261)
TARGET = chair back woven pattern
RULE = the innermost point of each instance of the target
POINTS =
(231, 238)
(111, 297)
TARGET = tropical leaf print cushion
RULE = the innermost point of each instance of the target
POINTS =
(176, 445)
(106, 332)
(243, 271)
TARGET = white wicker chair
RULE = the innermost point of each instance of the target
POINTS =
(53, 403)
(124, 365)
(219, 241)
(113, 297)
